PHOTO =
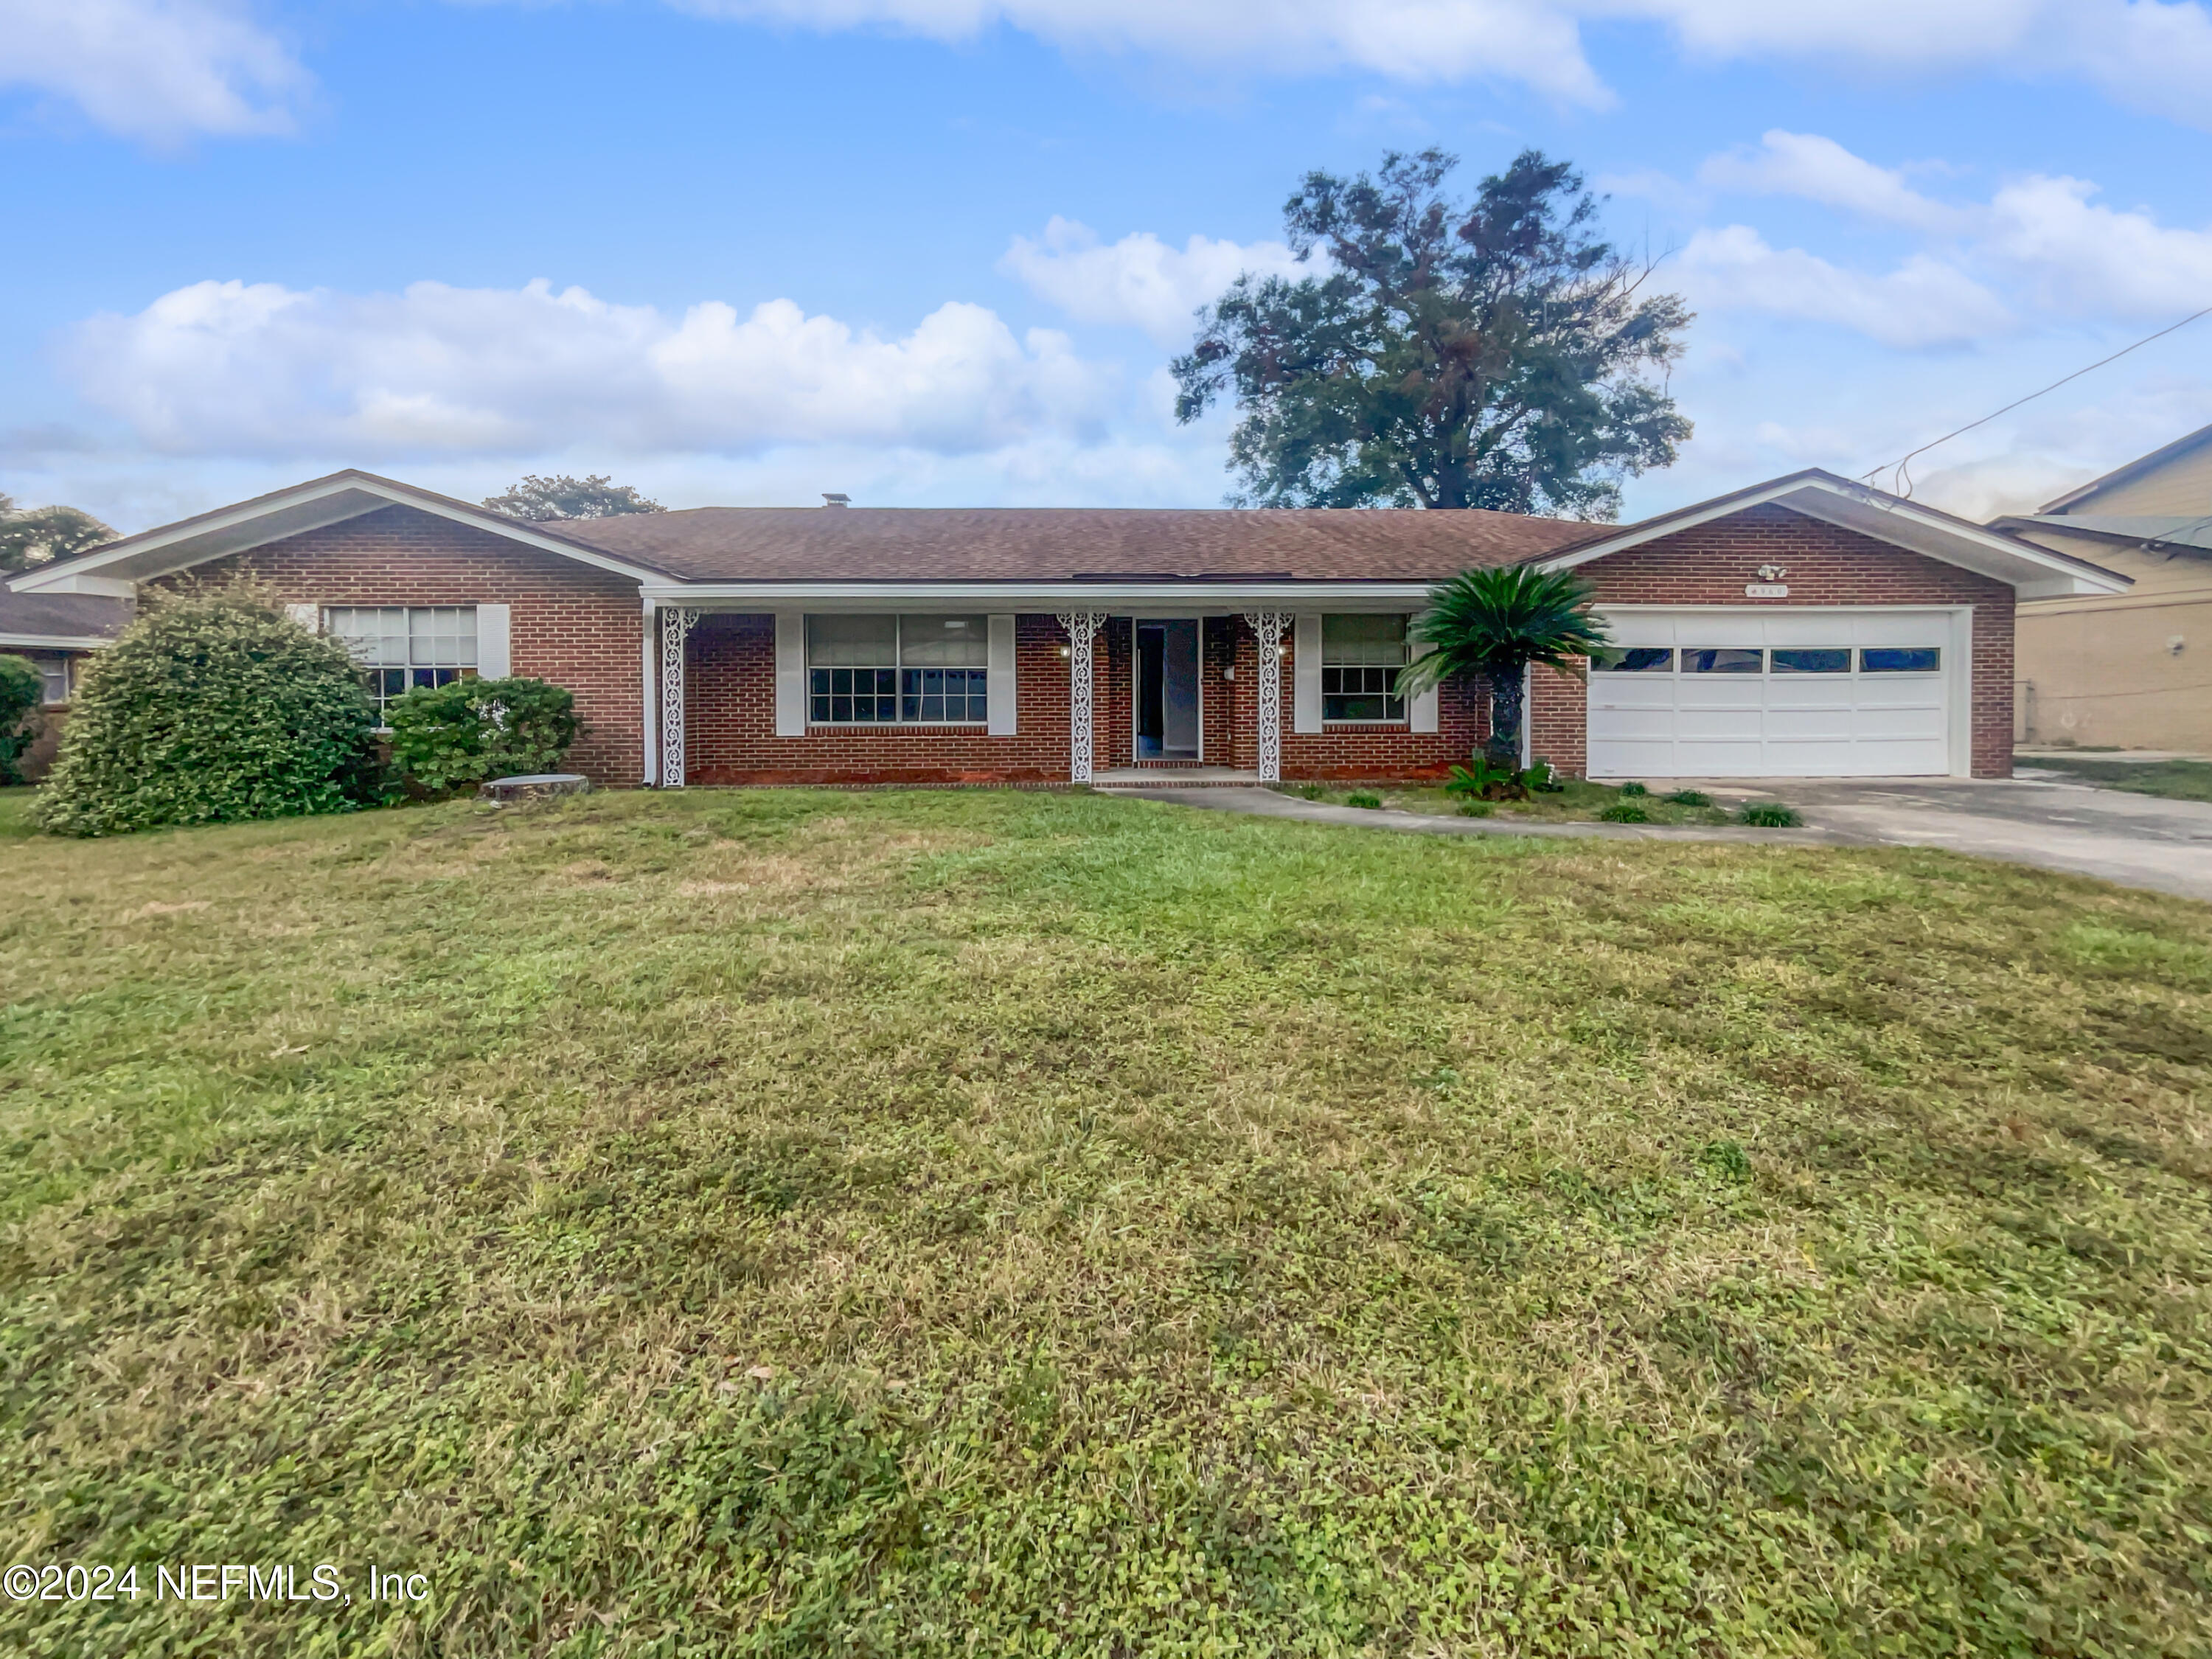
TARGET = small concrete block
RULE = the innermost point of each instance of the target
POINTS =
(534, 785)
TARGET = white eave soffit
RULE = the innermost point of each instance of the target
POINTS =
(2033, 572)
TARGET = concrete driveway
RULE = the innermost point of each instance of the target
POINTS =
(2137, 841)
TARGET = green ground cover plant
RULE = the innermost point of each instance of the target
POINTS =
(1559, 800)
(2174, 780)
(793, 1223)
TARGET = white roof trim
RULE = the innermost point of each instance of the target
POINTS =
(2036, 572)
(1212, 598)
(53, 642)
(287, 513)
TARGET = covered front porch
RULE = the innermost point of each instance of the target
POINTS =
(735, 693)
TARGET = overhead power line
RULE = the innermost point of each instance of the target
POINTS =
(1901, 481)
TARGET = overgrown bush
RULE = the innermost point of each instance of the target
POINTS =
(212, 707)
(1769, 815)
(1364, 798)
(1485, 779)
(1625, 812)
(452, 736)
(19, 689)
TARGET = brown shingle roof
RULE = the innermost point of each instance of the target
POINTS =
(62, 616)
(858, 544)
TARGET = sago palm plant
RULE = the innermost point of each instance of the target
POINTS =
(1491, 624)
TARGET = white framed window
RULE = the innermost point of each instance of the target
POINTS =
(401, 646)
(1361, 658)
(53, 681)
(898, 670)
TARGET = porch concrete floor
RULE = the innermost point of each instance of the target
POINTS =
(1174, 777)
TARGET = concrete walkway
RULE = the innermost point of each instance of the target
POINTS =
(2136, 841)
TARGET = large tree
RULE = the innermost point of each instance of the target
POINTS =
(1494, 353)
(33, 535)
(541, 501)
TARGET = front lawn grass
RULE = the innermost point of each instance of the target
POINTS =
(903, 1223)
(2173, 780)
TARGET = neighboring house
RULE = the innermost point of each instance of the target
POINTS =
(57, 632)
(1805, 627)
(2130, 670)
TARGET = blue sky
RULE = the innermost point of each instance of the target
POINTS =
(934, 251)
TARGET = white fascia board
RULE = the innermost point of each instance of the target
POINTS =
(108, 587)
(53, 642)
(314, 507)
(1153, 599)
(1900, 523)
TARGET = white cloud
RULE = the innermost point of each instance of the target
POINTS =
(1532, 42)
(2096, 260)
(2062, 252)
(1139, 281)
(241, 368)
(1821, 170)
(2152, 54)
(1923, 302)
(157, 69)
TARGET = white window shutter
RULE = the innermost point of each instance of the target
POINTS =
(309, 617)
(790, 673)
(1001, 682)
(495, 648)
(1305, 675)
(1421, 708)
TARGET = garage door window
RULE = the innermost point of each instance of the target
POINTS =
(1920, 659)
(1637, 659)
(1818, 661)
(1727, 661)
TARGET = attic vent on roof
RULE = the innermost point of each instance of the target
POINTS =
(828, 500)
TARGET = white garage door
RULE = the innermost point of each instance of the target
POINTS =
(1729, 693)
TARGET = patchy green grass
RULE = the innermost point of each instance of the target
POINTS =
(2174, 780)
(802, 1223)
(1577, 800)
(15, 813)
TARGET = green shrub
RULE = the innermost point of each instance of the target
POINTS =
(1476, 809)
(212, 707)
(1634, 789)
(1483, 779)
(1363, 797)
(21, 687)
(1769, 815)
(455, 736)
(1690, 797)
(1625, 812)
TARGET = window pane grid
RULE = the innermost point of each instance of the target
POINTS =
(919, 671)
(1361, 657)
(404, 648)
(1361, 694)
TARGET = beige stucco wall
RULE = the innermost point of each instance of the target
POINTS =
(2108, 671)
(2182, 484)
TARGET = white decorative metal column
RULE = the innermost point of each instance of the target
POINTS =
(676, 622)
(1082, 627)
(1270, 626)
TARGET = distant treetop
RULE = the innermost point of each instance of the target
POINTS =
(33, 535)
(540, 501)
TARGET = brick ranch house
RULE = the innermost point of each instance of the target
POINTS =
(1805, 627)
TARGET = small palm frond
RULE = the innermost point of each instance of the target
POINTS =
(1494, 622)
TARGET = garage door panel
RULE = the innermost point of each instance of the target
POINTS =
(1792, 722)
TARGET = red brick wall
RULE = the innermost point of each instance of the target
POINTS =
(730, 720)
(571, 624)
(1827, 565)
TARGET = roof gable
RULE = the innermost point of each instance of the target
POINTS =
(2121, 490)
(115, 567)
(2033, 571)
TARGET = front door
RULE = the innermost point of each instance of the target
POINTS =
(1167, 691)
